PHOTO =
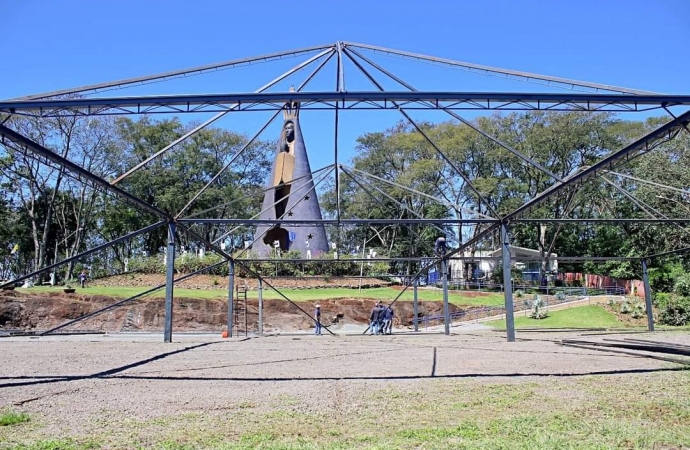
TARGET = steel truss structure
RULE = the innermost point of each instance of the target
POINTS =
(589, 97)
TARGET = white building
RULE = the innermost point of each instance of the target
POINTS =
(481, 264)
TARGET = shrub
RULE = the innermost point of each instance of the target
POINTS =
(676, 312)
(682, 285)
(538, 311)
(662, 299)
(625, 307)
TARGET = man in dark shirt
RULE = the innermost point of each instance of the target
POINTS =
(388, 320)
(374, 319)
(317, 319)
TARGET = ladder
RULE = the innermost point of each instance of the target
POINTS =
(240, 308)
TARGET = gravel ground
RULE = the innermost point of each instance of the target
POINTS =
(77, 385)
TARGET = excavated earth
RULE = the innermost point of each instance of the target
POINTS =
(28, 310)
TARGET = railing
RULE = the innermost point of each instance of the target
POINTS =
(529, 288)
(559, 296)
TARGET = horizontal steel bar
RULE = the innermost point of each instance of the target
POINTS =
(336, 222)
(428, 258)
(423, 221)
(604, 221)
(329, 100)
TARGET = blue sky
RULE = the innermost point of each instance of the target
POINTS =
(50, 45)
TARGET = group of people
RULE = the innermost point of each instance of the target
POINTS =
(381, 319)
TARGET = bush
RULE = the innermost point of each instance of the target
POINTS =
(676, 313)
(625, 307)
(146, 264)
(662, 299)
(538, 311)
(682, 285)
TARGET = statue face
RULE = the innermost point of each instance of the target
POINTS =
(289, 131)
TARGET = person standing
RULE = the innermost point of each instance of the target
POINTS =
(317, 319)
(374, 319)
(82, 278)
(388, 320)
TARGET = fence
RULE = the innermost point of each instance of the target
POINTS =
(558, 296)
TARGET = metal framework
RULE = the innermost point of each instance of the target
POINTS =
(591, 97)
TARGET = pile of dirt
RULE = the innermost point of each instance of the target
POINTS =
(31, 311)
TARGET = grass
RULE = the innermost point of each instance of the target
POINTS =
(592, 412)
(297, 295)
(590, 316)
(12, 418)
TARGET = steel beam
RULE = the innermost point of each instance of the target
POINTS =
(127, 300)
(419, 193)
(503, 72)
(86, 253)
(93, 88)
(216, 117)
(415, 305)
(34, 147)
(195, 103)
(231, 293)
(640, 145)
(446, 308)
(480, 198)
(342, 221)
(261, 306)
(647, 296)
(507, 283)
(256, 274)
(169, 282)
(461, 119)
(668, 253)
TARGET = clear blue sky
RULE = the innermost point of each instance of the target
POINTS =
(50, 45)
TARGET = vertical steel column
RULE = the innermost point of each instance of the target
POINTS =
(415, 307)
(446, 311)
(507, 283)
(647, 296)
(169, 281)
(231, 291)
(261, 306)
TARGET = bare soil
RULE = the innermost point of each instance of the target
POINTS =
(32, 311)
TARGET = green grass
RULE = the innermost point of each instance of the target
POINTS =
(297, 295)
(12, 418)
(590, 316)
(591, 412)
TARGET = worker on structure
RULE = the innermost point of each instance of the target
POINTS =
(440, 246)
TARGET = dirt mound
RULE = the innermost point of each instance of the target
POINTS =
(44, 310)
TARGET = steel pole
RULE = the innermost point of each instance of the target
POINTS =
(507, 283)
(169, 282)
(261, 307)
(446, 311)
(647, 296)
(415, 306)
(231, 290)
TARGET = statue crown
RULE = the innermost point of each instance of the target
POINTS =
(291, 109)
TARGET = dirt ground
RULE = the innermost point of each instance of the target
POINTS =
(44, 310)
(81, 386)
